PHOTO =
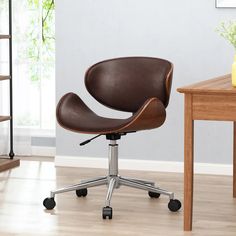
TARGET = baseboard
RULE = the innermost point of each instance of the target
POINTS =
(43, 151)
(145, 165)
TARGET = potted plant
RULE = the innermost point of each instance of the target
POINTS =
(228, 31)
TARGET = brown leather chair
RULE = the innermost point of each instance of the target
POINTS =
(139, 85)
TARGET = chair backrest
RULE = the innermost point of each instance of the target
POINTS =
(126, 83)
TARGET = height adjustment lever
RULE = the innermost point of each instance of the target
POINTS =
(89, 140)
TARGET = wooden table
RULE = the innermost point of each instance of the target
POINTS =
(213, 99)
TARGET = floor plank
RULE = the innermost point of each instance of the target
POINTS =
(23, 189)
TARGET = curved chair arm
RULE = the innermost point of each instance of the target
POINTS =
(151, 115)
(68, 109)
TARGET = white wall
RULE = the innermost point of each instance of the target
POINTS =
(181, 31)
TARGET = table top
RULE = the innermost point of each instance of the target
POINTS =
(219, 85)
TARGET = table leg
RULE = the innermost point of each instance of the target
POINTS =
(188, 162)
(234, 160)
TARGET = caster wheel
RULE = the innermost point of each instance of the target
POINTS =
(107, 212)
(154, 195)
(49, 203)
(81, 192)
(174, 205)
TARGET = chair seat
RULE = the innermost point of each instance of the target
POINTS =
(73, 114)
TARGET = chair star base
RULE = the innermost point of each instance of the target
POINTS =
(113, 181)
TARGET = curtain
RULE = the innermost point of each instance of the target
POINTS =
(33, 72)
(22, 137)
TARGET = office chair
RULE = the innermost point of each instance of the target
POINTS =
(139, 85)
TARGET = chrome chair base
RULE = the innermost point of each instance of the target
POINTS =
(113, 180)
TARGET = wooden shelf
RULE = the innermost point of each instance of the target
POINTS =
(6, 163)
(4, 118)
(5, 36)
(4, 77)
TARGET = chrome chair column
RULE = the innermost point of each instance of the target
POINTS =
(113, 158)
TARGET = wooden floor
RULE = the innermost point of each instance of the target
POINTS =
(23, 189)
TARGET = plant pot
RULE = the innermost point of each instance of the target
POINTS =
(234, 72)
